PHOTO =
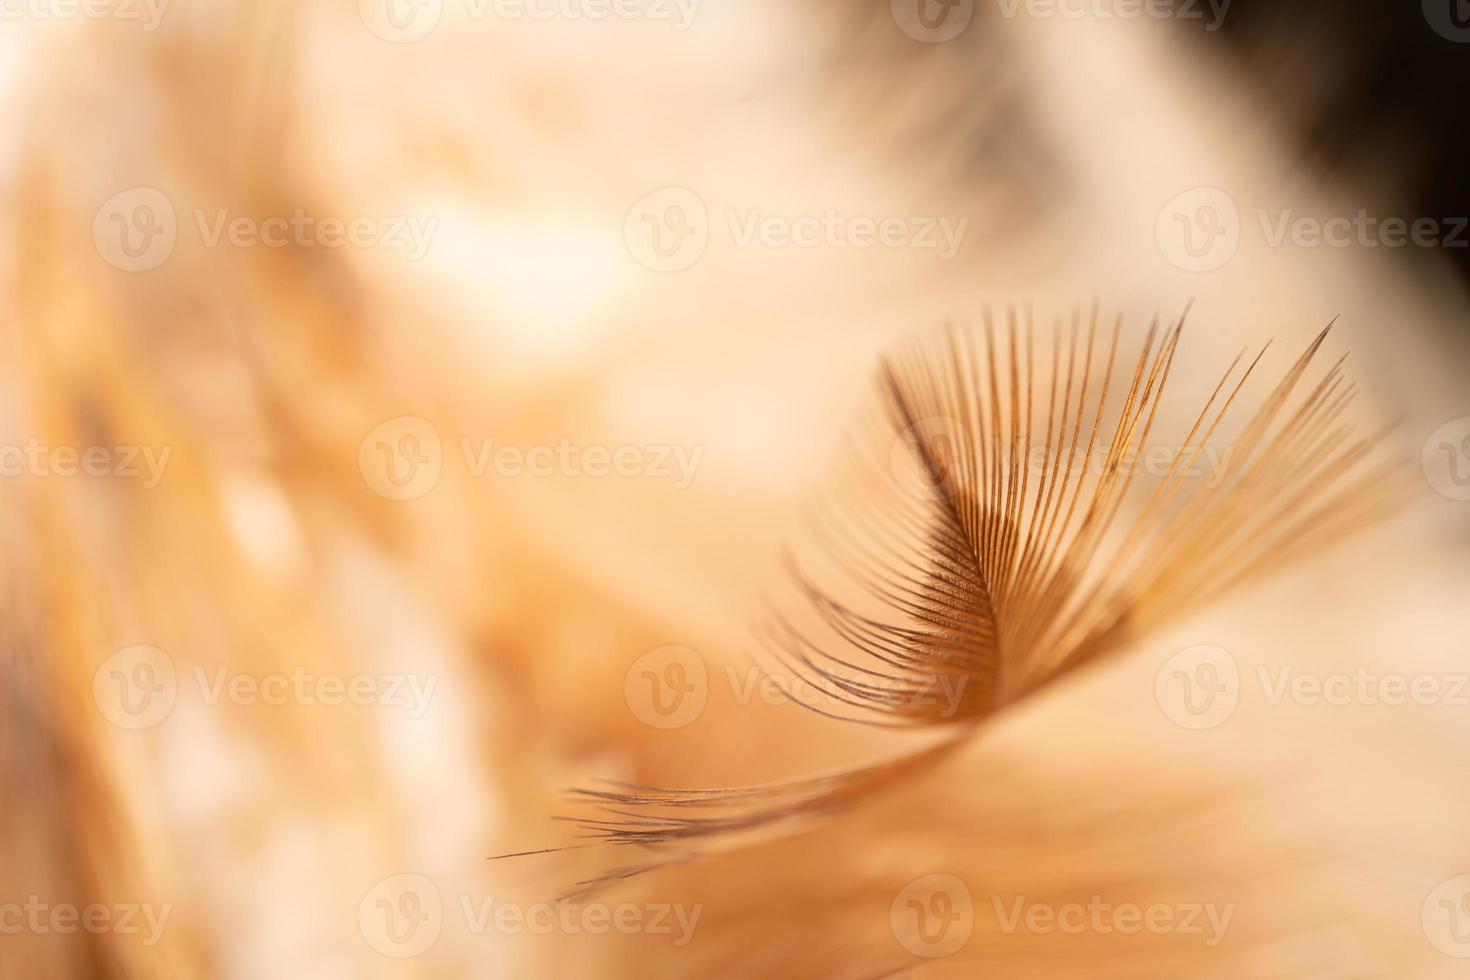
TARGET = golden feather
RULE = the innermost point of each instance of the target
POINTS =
(982, 510)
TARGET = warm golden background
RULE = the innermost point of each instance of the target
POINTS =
(269, 544)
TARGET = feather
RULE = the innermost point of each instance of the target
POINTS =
(993, 581)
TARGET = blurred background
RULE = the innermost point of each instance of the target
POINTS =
(391, 386)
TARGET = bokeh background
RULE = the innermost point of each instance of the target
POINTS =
(461, 351)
